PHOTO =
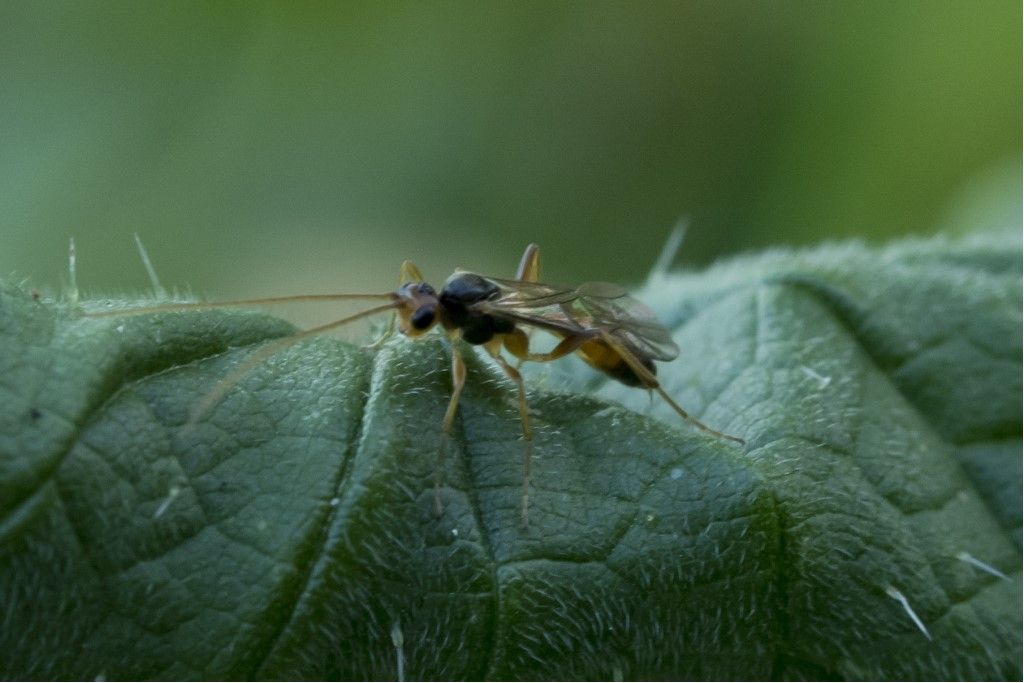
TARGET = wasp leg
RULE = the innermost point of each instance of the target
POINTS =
(529, 265)
(408, 273)
(458, 381)
(389, 331)
(528, 271)
(518, 344)
(494, 349)
(651, 382)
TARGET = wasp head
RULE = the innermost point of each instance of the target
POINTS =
(417, 308)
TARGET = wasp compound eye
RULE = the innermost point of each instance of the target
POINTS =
(423, 317)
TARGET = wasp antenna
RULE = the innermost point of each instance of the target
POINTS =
(158, 291)
(235, 376)
(178, 308)
(671, 248)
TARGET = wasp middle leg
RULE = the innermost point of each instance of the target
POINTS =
(494, 348)
(518, 344)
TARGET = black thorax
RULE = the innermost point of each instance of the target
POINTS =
(458, 297)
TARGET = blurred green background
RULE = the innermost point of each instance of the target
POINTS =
(273, 148)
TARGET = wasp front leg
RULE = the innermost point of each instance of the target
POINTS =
(458, 382)
(406, 274)
(409, 273)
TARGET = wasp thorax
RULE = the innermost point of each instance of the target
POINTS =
(460, 297)
(463, 289)
(417, 308)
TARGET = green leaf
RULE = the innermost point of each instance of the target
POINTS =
(291, 533)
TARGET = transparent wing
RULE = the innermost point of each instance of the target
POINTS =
(612, 308)
(515, 294)
(593, 305)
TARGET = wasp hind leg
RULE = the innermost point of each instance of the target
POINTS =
(650, 382)
(528, 271)
(517, 343)
(529, 264)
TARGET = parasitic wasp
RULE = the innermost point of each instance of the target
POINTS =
(600, 322)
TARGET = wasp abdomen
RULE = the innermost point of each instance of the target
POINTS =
(602, 357)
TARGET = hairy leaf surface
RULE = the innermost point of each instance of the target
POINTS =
(291, 532)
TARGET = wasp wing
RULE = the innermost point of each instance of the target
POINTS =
(613, 309)
(593, 305)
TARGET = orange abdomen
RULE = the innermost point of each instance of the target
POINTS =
(602, 357)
